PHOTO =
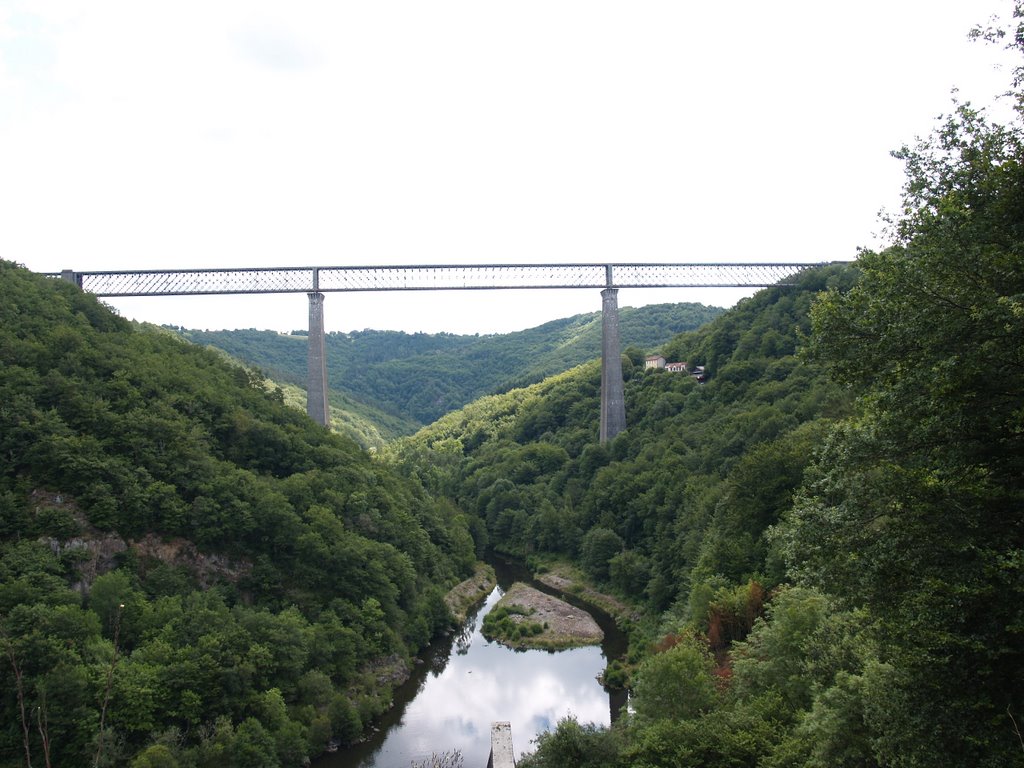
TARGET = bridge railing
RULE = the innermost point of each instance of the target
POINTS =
(172, 282)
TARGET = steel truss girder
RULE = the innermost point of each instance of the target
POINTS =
(452, 277)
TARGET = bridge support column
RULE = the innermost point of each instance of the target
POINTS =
(316, 388)
(501, 755)
(613, 398)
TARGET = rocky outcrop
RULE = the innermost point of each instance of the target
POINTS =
(206, 568)
(101, 552)
(95, 552)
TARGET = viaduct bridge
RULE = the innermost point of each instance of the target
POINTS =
(315, 281)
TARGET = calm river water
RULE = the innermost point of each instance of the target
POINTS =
(466, 682)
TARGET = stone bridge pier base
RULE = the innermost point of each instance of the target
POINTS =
(501, 755)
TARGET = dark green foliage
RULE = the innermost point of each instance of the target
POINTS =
(914, 507)
(736, 735)
(597, 549)
(499, 625)
(675, 684)
(263, 561)
(572, 745)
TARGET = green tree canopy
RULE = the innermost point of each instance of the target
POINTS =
(914, 511)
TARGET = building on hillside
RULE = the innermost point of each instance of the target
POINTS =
(654, 361)
(658, 362)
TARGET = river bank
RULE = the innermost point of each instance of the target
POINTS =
(568, 580)
(463, 682)
(468, 594)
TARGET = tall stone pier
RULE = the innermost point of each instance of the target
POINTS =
(316, 388)
(613, 398)
(501, 755)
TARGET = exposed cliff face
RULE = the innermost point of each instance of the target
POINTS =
(207, 568)
(94, 555)
(95, 552)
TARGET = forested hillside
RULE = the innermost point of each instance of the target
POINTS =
(399, 381)
(822, 545)
(826, 537)
(191, 573)
(677, 506)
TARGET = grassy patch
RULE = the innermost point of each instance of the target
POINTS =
(509, 624)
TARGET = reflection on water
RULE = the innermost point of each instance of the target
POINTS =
(465, 684)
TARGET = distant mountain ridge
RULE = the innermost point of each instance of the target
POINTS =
(401, 381)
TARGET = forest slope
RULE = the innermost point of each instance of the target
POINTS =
(670, 498)
(401, 381)
(833, 541)
(191, 573)
(829, 580)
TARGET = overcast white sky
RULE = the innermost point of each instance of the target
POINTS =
(139, 135)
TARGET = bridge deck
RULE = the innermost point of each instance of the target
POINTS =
(171, 282)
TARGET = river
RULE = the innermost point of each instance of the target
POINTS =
(464, 683)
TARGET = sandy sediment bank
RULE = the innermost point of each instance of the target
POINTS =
(565, 580)
(562, 625)
(474, 590)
